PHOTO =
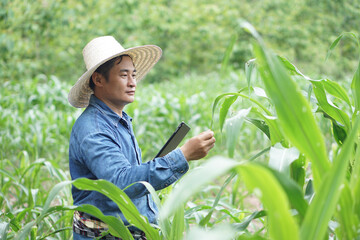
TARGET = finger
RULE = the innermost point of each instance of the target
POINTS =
(209, 147)
(206, 135)
(210, 140)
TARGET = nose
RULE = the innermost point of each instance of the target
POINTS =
(132, 81)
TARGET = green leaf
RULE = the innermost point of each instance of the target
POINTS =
(339, 132)
(292, 68)
(297, 171)
(233, 127)
(348, 222)
(116, 225)
(355, 88)
(122, 200)
(260, 124)
(4, 228)
(294, 112)
(337, 40)
(281, 158)
(355, 176)
(326, 198)
(245, 223)
(207, 218)
(178, 225)
(333, 45)
(193, 182)
(164, 223)
(293, 191)
(227, 55)
(250, 71)
(328, 107)
(355, 192)
(218, 98)
(223, 232)
(52, 194)
(336, 90)
(229, 100)
(26, 230)
(273, 124)
(265, 185)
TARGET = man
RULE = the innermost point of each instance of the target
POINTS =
(102, 142)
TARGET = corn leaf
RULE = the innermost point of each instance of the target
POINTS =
(294, 112)
(227, 55)
(297, 171)
(245, 223)
(223, 232)
(348, 221)
(265, 185)
(355, 84)
(116, 225)
(281, 158)
(272, 122)
(292, 68)
(233, 127)
(339, 132)
(178, 225)
(164, 223)
(336, 90)
(122, 200)
(355, 88)
(218, 98)
(293, 191)
(193, 182)
(356, 192)
(4, 228)
(207, 218)
(26, 230)
(229, 100)
(328, 107)
(355, 176)
(336, 42)
(326, 198)
(250, 71)
(260, 124)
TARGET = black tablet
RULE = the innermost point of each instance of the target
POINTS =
(174, 140)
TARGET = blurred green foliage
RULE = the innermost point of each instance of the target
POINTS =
(47, 36)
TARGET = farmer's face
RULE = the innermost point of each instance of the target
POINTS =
(119, 89)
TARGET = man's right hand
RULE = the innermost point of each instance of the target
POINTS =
(198, 147)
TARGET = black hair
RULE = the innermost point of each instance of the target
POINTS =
(104, 69)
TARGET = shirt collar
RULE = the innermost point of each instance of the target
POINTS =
(105, 109)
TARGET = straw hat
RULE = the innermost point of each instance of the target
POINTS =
(99, 51)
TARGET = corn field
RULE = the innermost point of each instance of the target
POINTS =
(286, 164)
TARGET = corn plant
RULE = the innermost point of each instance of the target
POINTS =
(297, 141)
(24, 199)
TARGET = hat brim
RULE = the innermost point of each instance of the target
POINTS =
(143, 57)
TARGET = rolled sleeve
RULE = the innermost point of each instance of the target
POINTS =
(177, 162)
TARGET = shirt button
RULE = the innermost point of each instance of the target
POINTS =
(181, 171)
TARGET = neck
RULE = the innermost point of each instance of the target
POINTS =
(118, 109)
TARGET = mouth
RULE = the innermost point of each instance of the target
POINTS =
(130, 92)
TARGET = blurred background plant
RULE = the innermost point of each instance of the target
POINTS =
(44, 36)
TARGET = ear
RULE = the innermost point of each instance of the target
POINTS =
(97, 79)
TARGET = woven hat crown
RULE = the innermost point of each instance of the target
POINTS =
(100, 49)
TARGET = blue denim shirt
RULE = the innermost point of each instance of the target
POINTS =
(103, 146)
